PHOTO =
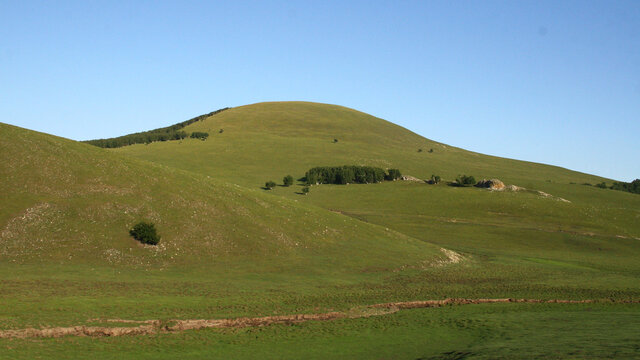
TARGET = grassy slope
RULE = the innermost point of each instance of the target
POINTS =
(597, 228)
(516, 244)
(269, 140)
(67, 208)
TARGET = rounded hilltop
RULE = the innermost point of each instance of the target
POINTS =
(271, 139)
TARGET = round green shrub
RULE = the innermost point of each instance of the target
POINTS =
(464, 180)
(145, 233)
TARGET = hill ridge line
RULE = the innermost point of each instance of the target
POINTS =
(151, 327)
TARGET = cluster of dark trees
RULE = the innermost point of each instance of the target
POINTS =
(632, 187)
(138, 138)
(199, 135)
(349, 174)
(173, 132)
(465, 180)
(286, 181)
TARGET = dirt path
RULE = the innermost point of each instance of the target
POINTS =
(148, 327)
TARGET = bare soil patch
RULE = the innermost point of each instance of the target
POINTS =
(149, 327)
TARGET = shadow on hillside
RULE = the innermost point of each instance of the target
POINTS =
(455, 184)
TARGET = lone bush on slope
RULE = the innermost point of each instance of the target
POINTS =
(145, 233)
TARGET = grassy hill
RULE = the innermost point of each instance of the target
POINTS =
(269, 140)
(72, 200)
(230, 248)
(68, 206)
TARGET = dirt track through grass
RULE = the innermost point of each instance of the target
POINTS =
(148, 327)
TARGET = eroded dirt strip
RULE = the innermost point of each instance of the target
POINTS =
(148, 327)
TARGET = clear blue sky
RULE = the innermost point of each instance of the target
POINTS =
(556, 82)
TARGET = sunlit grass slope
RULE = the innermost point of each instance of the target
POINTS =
(67, 201)
(269, 140)
(67, 208)
(570, 237)
(230, 248)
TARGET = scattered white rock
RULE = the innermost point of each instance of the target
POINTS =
(410, 178)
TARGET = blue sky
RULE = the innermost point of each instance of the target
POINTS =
(556, 82)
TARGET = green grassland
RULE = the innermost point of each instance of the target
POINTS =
(65, 237)
(551, 331)
(230, 248)
(588, 242)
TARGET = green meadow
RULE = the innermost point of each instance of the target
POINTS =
(475, 332)
(230, 248)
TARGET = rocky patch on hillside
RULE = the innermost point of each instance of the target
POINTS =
(493, 184)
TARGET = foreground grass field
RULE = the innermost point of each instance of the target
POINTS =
(521, 331)
(230, 249)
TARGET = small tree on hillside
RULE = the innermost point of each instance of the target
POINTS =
(435, 179)
(602, 185)
(269, 185)
(464, 180)
(145, 233)
(305, 190)
(287, 180)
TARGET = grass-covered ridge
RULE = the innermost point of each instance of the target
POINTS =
(269, 140)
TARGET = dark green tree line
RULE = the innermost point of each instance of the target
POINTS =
(632, 187)
(173, 132)
(199, 135)
(349, 174)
